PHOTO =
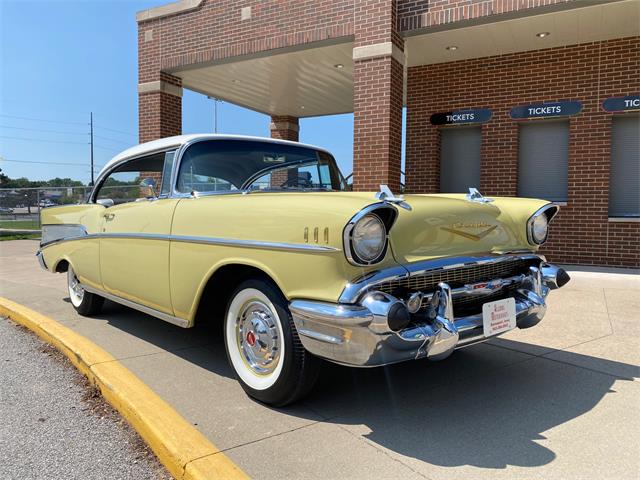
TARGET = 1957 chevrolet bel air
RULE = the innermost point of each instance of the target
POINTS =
(263, 236)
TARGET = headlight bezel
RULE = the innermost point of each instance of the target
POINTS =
(383, 212)
(549, 211)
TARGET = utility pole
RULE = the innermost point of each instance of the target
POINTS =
(91, 117)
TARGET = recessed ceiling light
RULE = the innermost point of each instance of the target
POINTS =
(301, 107)
(338, 65)
(542, 34)
(452, 47)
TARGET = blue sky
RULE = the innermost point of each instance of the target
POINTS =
(61, 60)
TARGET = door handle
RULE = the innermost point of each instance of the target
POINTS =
(109, 216)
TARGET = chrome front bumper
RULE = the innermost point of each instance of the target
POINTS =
(360, 334)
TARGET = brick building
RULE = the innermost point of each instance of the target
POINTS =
(518, 97)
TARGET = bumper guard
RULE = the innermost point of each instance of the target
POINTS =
(360, 335)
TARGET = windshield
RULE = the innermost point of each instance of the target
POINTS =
(228, 165)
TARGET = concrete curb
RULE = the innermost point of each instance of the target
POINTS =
(182, 449)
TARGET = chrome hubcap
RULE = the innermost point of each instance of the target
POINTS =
(74, 286)
(257, 337)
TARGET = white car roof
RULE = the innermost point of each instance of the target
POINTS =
(179, 140)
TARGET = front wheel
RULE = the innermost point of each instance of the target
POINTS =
(263, 347)
(84, 302)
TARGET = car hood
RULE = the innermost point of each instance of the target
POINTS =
(450, 225)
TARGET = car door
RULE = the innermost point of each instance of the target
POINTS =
(134, 242)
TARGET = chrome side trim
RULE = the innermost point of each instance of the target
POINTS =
(354, 290)
(180, 322)
(229, 242)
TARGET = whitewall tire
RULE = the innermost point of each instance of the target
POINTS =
(84, 302)
(263, 347)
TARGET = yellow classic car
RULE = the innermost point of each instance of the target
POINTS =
(264, 237)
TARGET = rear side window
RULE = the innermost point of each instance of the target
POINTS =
(125, 183)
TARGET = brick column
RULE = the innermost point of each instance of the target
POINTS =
(160, 108)
(378, 63)
(284, 127)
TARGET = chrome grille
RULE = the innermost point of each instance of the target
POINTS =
(456, 277)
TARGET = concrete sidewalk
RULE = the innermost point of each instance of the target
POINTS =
(556, 401)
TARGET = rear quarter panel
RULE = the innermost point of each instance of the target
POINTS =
(83, 255)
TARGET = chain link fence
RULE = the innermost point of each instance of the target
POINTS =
(20, 207)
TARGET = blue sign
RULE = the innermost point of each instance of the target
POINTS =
(547, 110)
(461, 117)
(622, 104)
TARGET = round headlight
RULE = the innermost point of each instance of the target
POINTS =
(539, 228)
(369, 238)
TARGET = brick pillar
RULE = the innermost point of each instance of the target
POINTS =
(284, 127)
(160, 107)
(378, 64)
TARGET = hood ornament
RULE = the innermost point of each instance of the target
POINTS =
(474, 195)
(386, 195)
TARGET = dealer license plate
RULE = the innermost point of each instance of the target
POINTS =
(499, 316)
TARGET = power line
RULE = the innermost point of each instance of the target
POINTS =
(2, 159)
(43, 140)
(43, 130)
(42, 120)
(112, 140)
(107, 148)
(116, 131)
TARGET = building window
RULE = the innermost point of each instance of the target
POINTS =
(460, 159)
(624, 179)
(542, 160)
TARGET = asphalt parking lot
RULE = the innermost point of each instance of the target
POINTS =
(558, 401)
(52, 424)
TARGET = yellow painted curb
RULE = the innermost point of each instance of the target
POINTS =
(181, 448)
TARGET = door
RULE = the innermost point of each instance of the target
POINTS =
(134, 242)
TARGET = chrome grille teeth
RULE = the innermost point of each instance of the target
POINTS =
(455, 277)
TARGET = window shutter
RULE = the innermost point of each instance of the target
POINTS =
(624, 179)
(460, 159)
(543, 159)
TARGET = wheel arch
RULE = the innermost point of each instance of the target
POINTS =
(213, 294)
(61, 266)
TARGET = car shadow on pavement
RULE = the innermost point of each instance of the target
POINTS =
(487, 406)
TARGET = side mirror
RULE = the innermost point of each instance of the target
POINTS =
(105, 202)
(148, 184)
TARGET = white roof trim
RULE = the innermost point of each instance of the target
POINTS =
(179, 140)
